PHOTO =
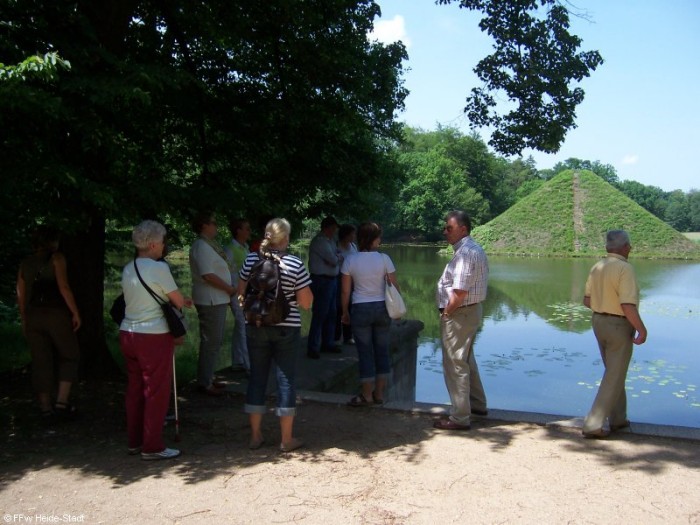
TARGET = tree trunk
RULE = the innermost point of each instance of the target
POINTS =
(85, 253)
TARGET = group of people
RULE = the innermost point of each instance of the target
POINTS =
(219, 281)
(346, 282)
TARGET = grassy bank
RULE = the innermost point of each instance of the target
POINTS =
(568, 217)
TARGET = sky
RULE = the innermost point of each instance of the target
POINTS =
(641, 112)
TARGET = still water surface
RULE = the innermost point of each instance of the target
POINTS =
(536, 350)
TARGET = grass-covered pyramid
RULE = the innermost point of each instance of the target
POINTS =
(569, 215)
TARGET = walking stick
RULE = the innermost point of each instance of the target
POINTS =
(177, 418)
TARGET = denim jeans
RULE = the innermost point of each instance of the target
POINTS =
(323, 312)
(370, 328)
(268, 345)
(239, 344)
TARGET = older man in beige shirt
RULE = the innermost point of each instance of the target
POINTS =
(613, 295)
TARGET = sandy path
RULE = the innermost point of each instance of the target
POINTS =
(365, 466)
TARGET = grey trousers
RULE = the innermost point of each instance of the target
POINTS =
(614, 335)
(458, 362)
(212, 323)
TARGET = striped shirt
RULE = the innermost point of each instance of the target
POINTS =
(294, 277)
(468, 270)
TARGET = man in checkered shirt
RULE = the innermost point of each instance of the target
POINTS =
(460, 292)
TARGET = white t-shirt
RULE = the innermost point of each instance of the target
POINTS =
(367, 270)
(205, 260)
(143, 314)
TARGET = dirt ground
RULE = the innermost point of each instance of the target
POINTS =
(364, 466)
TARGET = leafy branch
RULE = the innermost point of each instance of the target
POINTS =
(44, 68)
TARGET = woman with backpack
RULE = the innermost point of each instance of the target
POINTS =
(273, 339)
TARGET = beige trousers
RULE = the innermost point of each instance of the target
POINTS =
(458, 362)
(614, 335)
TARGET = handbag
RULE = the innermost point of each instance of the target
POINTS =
(394, 302)
(118, 310)
(174, 317)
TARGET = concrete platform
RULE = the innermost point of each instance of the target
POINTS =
(316, 378)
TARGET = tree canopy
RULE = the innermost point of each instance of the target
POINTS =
(534, 63)
(276, 107)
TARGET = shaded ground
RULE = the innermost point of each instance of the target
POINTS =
(366, 466)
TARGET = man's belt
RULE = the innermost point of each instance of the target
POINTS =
(610, 315)
(463, 306)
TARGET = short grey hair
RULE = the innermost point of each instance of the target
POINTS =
(616, 239)
(146, 233)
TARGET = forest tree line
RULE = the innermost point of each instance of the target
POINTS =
(446, 169)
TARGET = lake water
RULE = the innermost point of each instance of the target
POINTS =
(536, 350)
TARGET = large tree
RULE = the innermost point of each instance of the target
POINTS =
(534, 63)
(249, 107)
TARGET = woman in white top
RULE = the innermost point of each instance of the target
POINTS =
(364, 275)
(147, 344)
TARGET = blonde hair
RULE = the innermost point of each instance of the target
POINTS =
(276, 232)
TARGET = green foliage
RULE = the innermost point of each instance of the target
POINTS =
(435, 185)
(277, 107)
(569, 216)
(605, 171)
(44, 68)
(694, 210)
(527, 187)
(651, 198)
(14, 347)
(534, 62)
(678, 211)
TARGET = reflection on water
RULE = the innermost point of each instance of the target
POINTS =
(536, 350)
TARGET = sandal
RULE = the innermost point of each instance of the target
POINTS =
(359, 401)
(292, 445)
(255, 444)
(48, 417)
(376, 400)
(65, 411)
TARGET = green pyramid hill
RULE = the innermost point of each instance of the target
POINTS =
(569, 215)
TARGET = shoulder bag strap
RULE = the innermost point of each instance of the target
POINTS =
(386, 272)
(153, 294)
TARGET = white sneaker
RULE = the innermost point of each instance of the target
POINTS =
(166, 453)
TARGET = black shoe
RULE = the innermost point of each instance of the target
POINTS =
(478, 412)
(313, 355)
(448, 424)
(332, 350)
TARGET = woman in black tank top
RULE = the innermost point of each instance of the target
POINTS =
(50, 319)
